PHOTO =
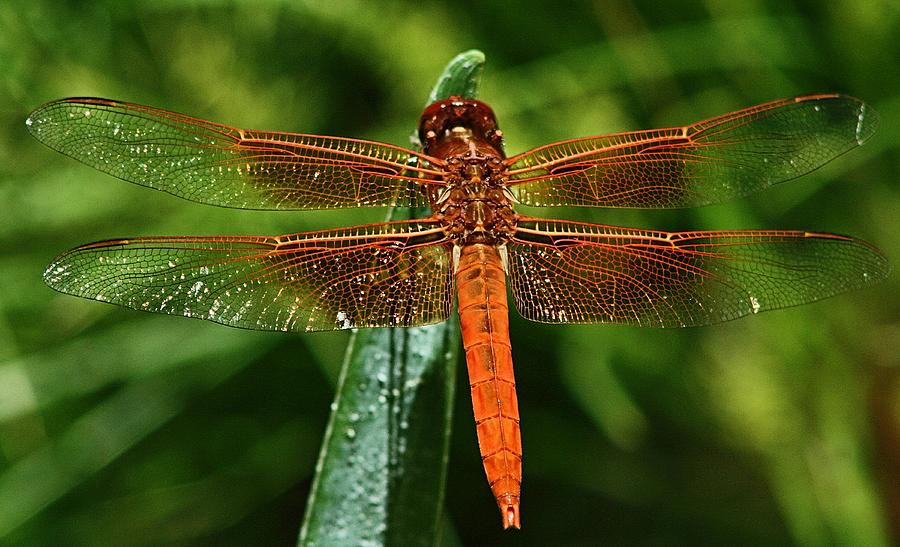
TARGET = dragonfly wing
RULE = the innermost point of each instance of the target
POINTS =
(708, 162)
(568, 272)
(212, 163)
(382, 275)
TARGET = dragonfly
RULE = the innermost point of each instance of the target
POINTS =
(474, 246)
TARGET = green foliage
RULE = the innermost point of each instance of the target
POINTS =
(122, 428)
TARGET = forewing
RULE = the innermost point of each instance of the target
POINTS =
(567, 272)
(220, 165)
(382, 275)
(710, 161)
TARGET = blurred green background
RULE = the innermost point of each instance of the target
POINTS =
(123, 428)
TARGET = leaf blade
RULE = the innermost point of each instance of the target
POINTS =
(381, 473)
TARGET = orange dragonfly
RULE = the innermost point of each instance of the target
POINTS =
(405, 273)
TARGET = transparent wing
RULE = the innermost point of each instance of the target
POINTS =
(382, 275)
(707, 162)
(568, 272)
(220, 165)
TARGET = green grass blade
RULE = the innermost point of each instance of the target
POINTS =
(383, 464)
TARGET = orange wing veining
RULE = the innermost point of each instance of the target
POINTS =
(572, 272)
(381, 275)
(732, 155)
(484, 317)
(212, 163)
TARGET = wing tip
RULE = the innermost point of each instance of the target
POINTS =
(46, 114)
(53, 275)
(867, 121)
(865, 118)
(877, 266)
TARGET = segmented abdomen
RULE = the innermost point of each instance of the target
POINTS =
(484, 317)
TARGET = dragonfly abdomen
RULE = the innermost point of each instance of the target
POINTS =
(484, 318)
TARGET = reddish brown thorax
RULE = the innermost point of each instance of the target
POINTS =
(474, 206)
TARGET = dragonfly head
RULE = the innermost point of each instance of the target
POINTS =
(451, 123)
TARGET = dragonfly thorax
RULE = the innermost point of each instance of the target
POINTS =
(475, 206)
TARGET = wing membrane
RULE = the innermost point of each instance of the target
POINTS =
(707, 162)
(383, 275)
(568, 272)
(220, 165)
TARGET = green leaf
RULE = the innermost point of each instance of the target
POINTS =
(383, 464)
(460, 78)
